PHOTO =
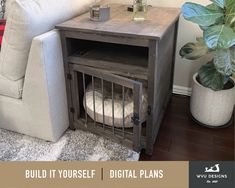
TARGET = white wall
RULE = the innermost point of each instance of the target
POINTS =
(187, 32)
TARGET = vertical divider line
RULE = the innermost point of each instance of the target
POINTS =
(102, 88)
(113, 106)
(102, 174)
(84, 89)
(93, 89)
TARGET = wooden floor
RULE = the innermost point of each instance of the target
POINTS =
(180, 138)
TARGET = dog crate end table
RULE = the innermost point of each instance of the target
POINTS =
(131, 62)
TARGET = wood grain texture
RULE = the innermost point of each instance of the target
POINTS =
(121, 23)
(114, 68)
(66, 48)
(160, 73)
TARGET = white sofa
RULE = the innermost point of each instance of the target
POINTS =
(32, 85)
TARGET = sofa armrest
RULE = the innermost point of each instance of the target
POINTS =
(44, 89)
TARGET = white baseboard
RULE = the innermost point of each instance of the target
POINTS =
(182, 90)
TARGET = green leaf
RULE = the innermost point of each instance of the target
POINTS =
(220, 3)
(230, 12)
(233, 25)
(229, 3)
(232, 51)
(209, 77)
(214, 7)
(201, 15)
(223, 61)
(218, 21)
(194, 51)
(219, 36)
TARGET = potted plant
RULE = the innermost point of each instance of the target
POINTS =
(213, 94)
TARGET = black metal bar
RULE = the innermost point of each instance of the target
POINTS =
(113, 107)
(102, 88)
(123, 111)
(93, 89)
(84, 89)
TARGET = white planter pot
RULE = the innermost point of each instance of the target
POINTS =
(212, 108)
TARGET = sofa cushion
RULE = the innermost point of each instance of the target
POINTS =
(11, 88)
(7, 7)
(27, 19)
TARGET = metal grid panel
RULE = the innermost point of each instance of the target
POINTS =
(81, 76)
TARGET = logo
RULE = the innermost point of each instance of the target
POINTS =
(211, 174)
(214, 168)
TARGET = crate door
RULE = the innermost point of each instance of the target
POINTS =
(83, 74)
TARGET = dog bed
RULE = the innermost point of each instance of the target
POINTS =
(118, 105)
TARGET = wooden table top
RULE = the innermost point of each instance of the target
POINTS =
(159, 19)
